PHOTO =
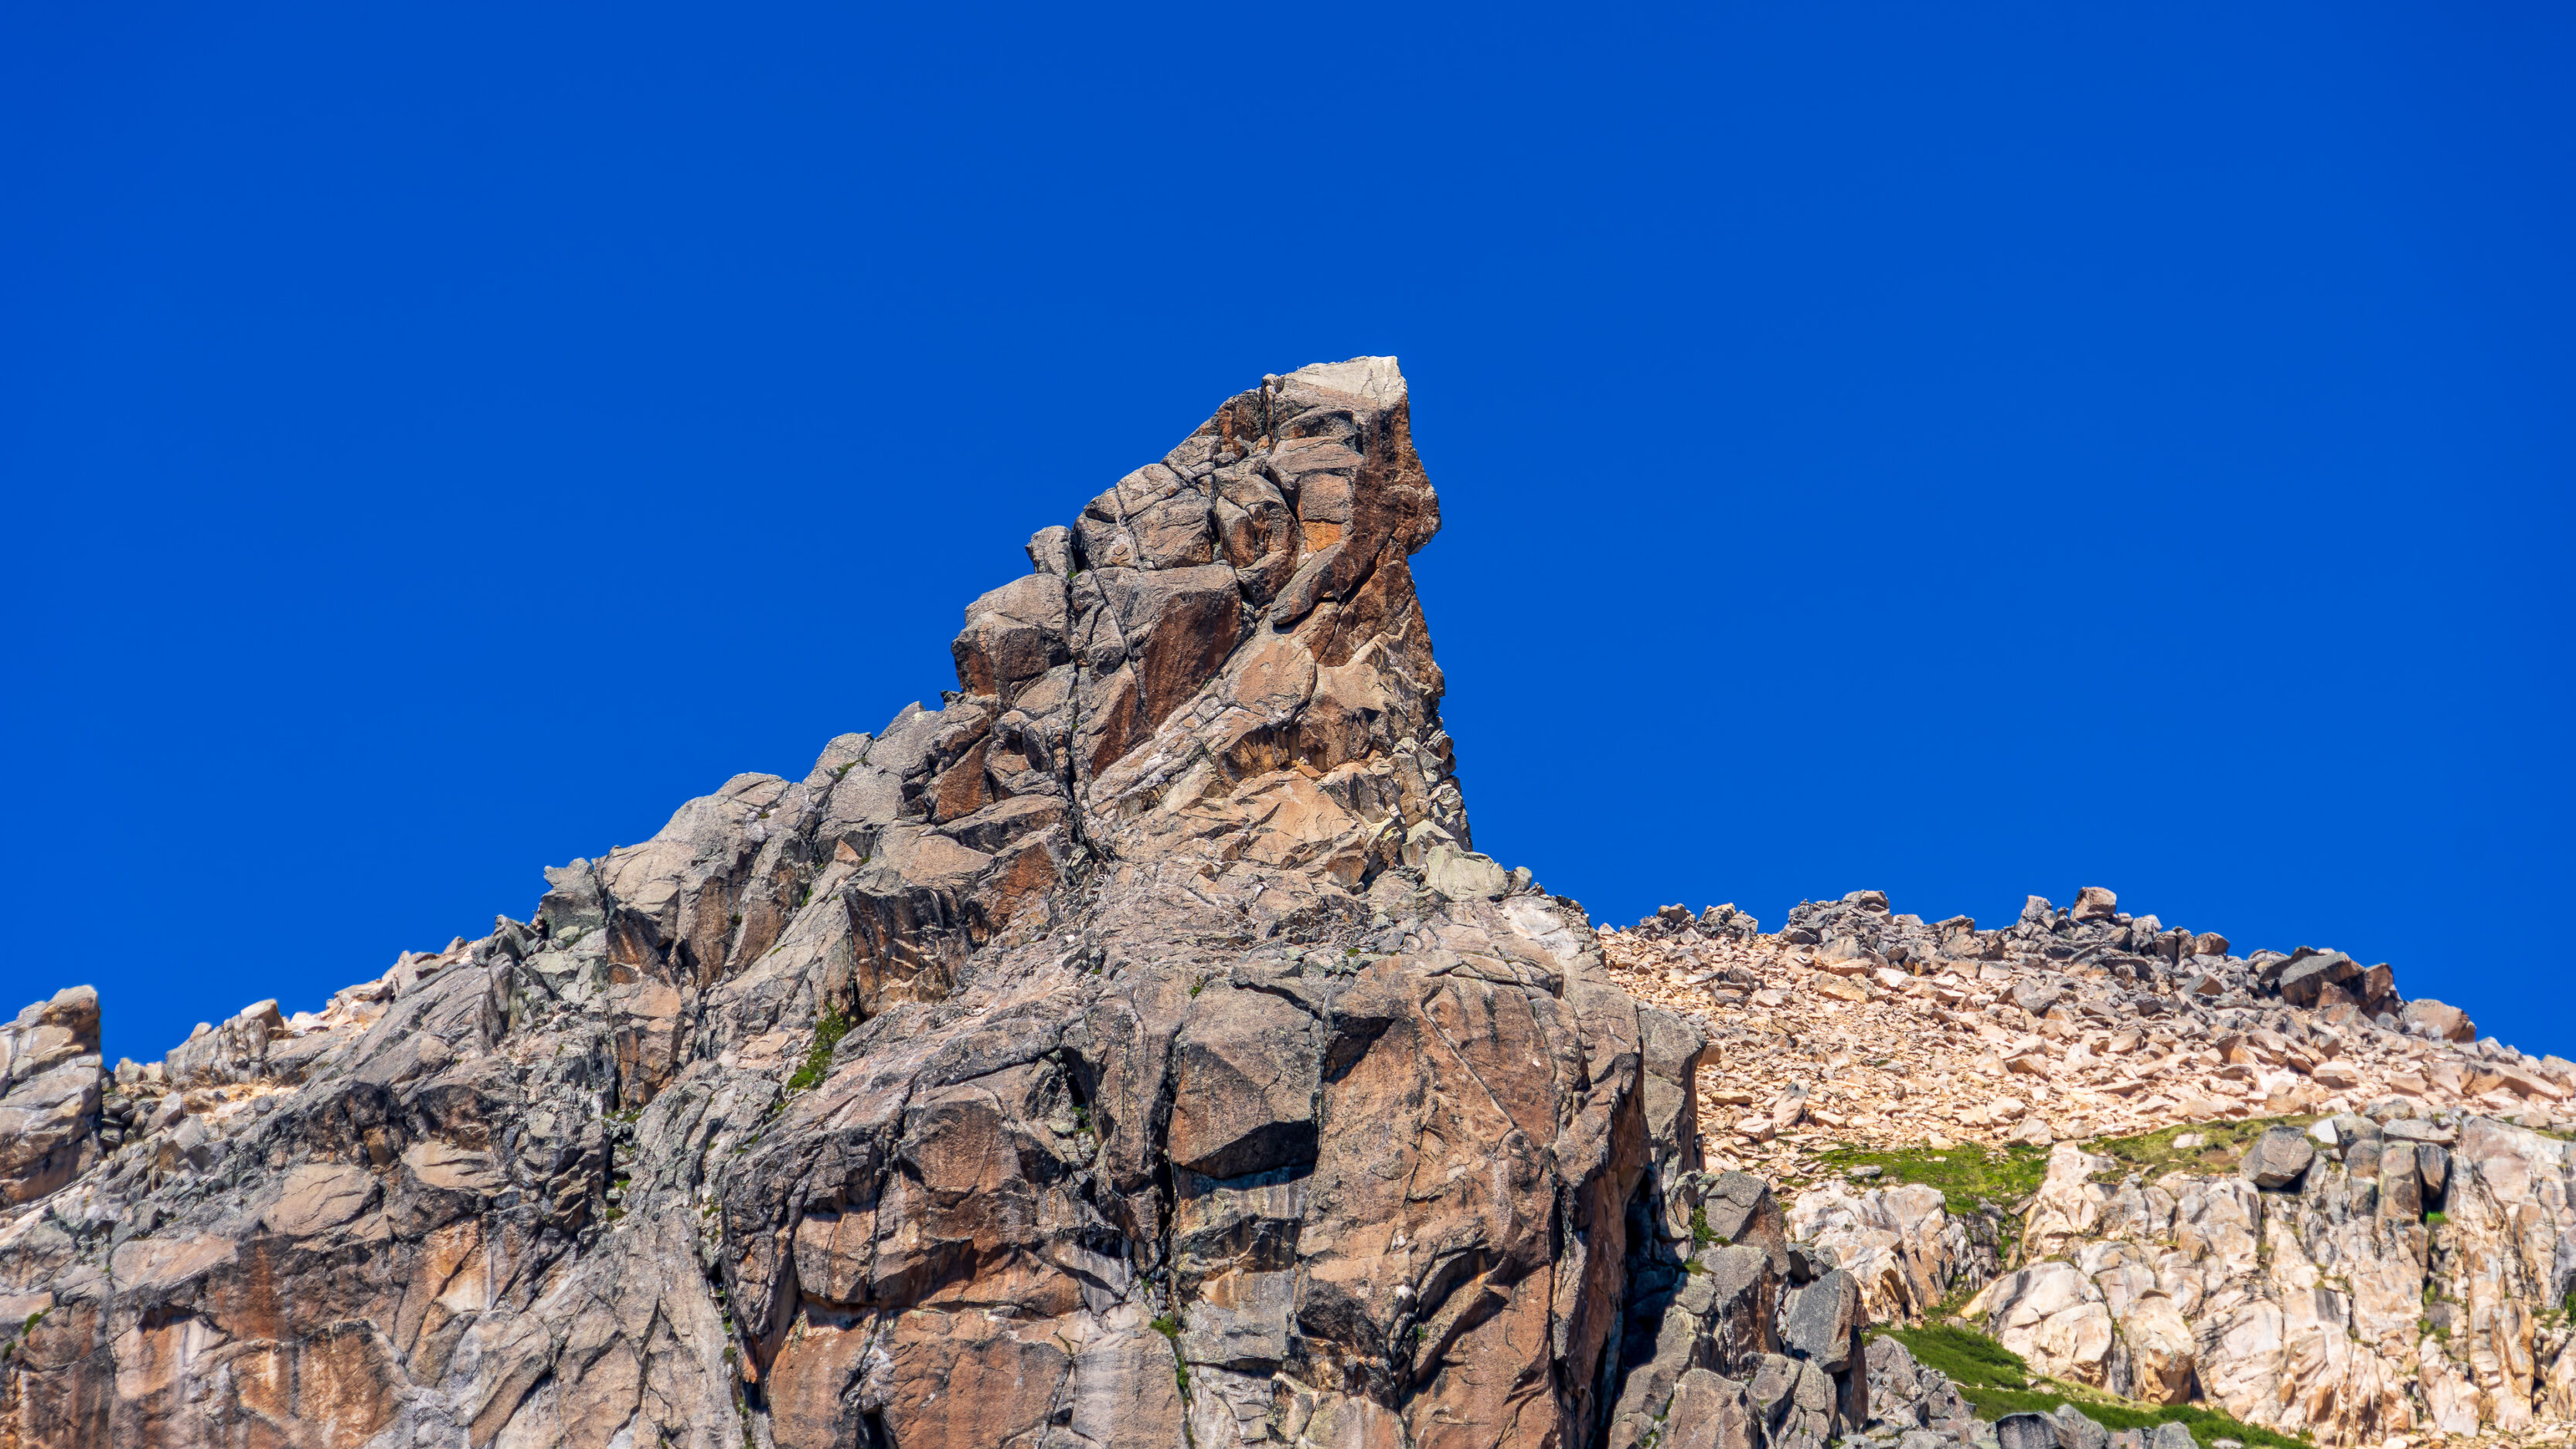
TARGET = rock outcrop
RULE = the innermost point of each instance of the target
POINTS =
(1132, 1051)
(2395, 1255)
(1135, 1051)
(50, 1093)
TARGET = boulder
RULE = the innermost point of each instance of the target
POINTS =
(1464, 875)
(2075, 1431)
(1709, 1412)
(2026, 1431)
(1821, 1322)
(2278, 1159)
(2427, 1017)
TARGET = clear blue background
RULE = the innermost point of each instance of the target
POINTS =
(1965, 451)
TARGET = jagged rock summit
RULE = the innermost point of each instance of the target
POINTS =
(1135, 1051)
(1131, 1052)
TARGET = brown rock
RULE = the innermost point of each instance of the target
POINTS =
(2428, 1017)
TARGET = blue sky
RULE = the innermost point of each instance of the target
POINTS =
(1964, 451)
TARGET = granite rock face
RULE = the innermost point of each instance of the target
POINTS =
(2393, 1256)
(1132, 1051)
(2386, 1286)
(50, 1094)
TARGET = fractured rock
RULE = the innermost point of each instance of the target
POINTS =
(2279, 1158)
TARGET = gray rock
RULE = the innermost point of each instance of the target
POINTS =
(2427, 1017)
(2278, 1159)
(2170, 1436)
(2401, 1191)
(2075, 1431)
(1709, 1412)
(1465, 875)
(2418, 1129)
(1794, 1401)
(2026, 1431)
(1895, 1381)
(1821, 1321)
(53, 1085)
(2037, 996)
(2433, 1170)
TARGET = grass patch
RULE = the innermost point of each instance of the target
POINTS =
(829, 1028)
(1996, 1381)
(2153, 1154)
(1969, 1358)
(1969, 1176)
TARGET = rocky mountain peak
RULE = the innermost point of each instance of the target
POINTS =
(1134, 1051)
(1131, 1050)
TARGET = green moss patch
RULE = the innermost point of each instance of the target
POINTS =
(1969, 1176)
(2152, 1154)
(1996, 1381)
(828, 1031)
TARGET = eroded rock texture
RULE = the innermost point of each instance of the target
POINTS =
(1201, 1085)
(2378, 1280)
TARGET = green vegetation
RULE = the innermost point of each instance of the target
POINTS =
(1996, 1381)
(1170, 1327)
(2436, 1218)
(1969, 1358)
(1969, 1176)
(2153, 1154)
(10, 1349)
(828, 1031)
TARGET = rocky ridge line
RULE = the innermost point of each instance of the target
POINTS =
(2394, 1261)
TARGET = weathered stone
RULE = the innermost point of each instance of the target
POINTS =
(2277, 1159)
(1709, 1412)
(2427, 1017)
(1821, 1322)
(51, 1089)
(2075, 1431)
(2026, 1431)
